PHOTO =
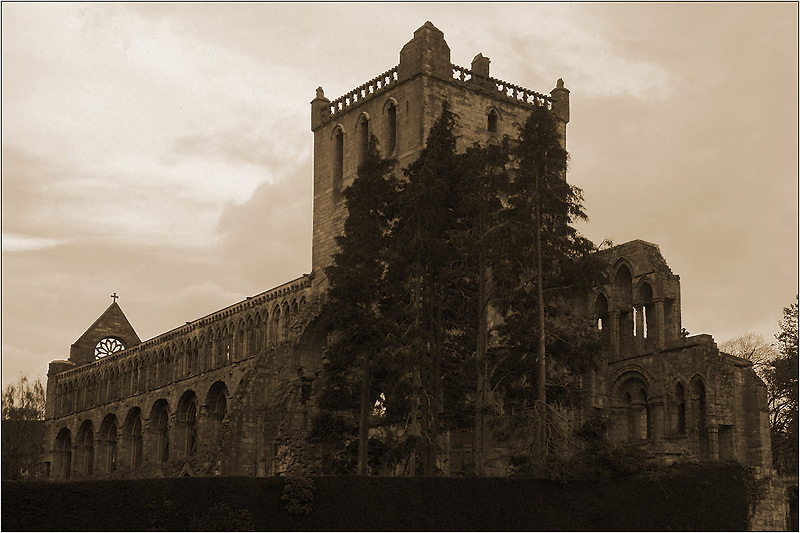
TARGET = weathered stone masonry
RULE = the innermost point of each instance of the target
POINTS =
(232, 393)
(169, 402)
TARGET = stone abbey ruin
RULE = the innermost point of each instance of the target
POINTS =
(232, 393)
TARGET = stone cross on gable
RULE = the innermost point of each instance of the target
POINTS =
(114, 297)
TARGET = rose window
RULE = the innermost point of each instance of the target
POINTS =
(108, 346)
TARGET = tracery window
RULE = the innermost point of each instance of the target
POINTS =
(107, 346)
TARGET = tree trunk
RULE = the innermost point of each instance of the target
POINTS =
(478, 446)
(363, 424)
(541, 379)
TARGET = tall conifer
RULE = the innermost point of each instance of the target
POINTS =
(354, 313)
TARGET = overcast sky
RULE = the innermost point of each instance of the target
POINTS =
(163, 151)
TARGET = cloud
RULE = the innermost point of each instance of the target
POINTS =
(267, 240)
(13, 242)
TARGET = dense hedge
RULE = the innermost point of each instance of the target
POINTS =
(698, 498)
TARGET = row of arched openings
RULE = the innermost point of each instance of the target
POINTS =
(111, 447)
(685, 411)
(163, 365)
(363, 132)
(635, 309)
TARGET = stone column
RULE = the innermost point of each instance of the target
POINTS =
(659, 323)
(206, 430)
(639, 408)
(658, 416)
(638, 341)
(713, 442)
(692, 424)
(614, 318)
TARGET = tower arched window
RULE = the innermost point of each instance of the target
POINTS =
(391, 127)
(491, 121)
(363, 137)
(680, 409)
(338, 162)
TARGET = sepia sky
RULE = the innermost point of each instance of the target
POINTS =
(163, 151)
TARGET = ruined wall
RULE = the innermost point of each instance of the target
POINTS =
(771, 513)
(678, 397)
(170, 405)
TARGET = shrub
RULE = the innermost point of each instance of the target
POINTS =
(298, 493)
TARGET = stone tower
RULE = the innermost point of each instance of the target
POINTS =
(399, 107)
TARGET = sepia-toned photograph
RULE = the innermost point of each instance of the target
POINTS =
(410, 266)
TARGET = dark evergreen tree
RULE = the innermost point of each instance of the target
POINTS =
(435, 292)
(422, 272)
(354, 314)
(479, 239)
(548, 270)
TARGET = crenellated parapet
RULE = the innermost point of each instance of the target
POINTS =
(329, 110)
(514, 93)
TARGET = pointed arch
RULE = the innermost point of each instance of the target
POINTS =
(159, 430)
(492, 120)
(107, 444)
(362, 130)
(337, 157)
(216, 408)
(390, 112)
(186, 424)
(133, 439)
(62, 454)
(85, 456)
(623, 298)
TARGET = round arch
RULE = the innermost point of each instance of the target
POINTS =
(62, 454)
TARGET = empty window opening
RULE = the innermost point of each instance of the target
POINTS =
(108, 442)
(391, 127)
(87, 451)
(492, 121)
(217, 407)
(160, 431)
(187, 424)
(363, 134)
(63, 454)
(680, 409)
(133, 439)
(338, 163)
